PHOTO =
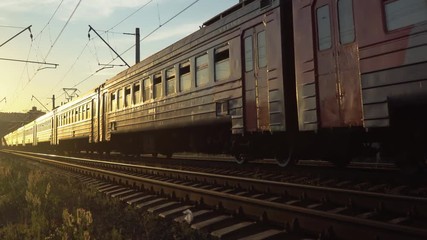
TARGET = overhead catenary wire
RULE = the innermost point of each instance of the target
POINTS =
(56, 40)
(52, 45)
(130, 15)
(161, 25)
(8, 26)
(63, 28)
(72, 66)
(50, 19)
(104, 31)
(149, 34)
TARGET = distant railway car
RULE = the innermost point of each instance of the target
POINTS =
(43, 132)
(10, 140)
(19, 136)
(73, 124)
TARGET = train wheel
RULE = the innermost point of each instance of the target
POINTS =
(286, 158)
(242, 158)
(285, 161)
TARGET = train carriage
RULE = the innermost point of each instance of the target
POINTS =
(74, 124)
(361, 72)
(192, 95)
(43, 131)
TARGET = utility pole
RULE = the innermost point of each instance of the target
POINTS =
(4, 99)
(53, 102)
(137, 47)
(137, 44)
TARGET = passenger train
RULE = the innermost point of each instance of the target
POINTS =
(301, 79)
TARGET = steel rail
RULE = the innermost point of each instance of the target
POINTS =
(341, 226)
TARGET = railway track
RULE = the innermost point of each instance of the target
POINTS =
(237, 207)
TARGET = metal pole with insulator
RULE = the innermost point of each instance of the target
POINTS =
(137, 47)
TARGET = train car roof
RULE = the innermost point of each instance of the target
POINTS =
(217, 23)
(76, 101)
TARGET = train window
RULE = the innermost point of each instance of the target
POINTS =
(146, 93)
(249, 54)
(113, 102)
(222, 108)
(184, 77)
(127, 97)
(157, 85)
(222, 63)
(170, 81)
(88, 111)
(120, 99)
(324, 28)
(346, 23)
(403, 13)
(202, 70)
(262, 50)
(137, 93)
(84, 112)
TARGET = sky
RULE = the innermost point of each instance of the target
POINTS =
(59, 30)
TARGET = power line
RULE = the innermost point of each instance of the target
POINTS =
(143, 6)
(161, 25)
(152, 32)
(59, 35)
(104, 32)
(27, 61)
(6, 26)
(63, 28)
(50, 19)
(72, 66)
(156, 29)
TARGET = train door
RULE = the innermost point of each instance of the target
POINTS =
(54, 130)
(255, 80)
(337, 58)
(35, 134)
(95, 132)
(104, 116)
